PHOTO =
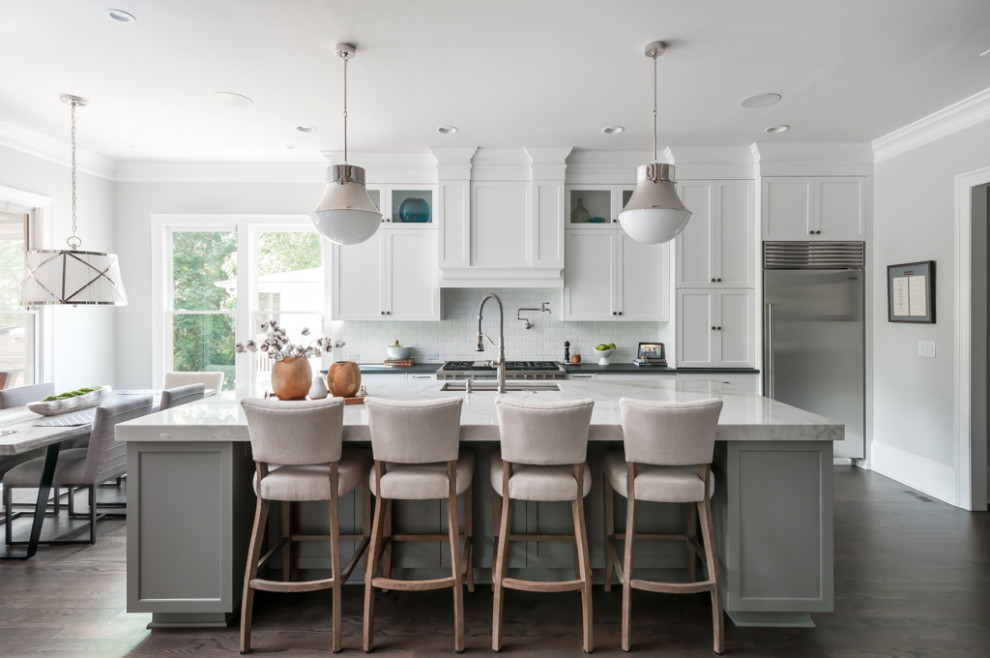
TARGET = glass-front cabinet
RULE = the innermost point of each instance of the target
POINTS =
(405, 206)
(589, 206)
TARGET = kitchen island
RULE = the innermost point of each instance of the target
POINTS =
(190, 502)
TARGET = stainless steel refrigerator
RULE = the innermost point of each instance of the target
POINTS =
(813, 333)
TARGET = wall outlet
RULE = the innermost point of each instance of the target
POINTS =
(926, 348)
(432, 356)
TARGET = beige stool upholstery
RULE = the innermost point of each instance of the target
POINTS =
(213, 380)
(103, 459)
(544, 448)
(173, 397)
(668, 450)
(298, 455)
(416, 447)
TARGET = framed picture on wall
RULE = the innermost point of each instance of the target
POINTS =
(911, 292)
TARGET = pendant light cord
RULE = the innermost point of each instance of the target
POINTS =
(73, 241)
(345, 57)
(655, 113)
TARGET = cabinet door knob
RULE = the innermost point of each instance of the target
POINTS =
(818, 232)
(811, 232)
(713, 328)
(390, 313)
(615, 221)
(383, 312)
(720, 328)
(713, 279)
(620, 312)
(614, 313)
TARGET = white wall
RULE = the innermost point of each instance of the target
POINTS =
(83, 337)
(913, 412)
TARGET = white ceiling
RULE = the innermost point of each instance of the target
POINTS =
(508, 73)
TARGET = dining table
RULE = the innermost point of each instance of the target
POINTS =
(22, 430)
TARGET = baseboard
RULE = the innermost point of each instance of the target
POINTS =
(929, 477)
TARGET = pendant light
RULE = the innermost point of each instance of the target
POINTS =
(346, 214)
(70, 276)
(654, 213)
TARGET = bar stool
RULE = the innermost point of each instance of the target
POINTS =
(416, 448)
(544, 448)
(298, 455)
(668, 459)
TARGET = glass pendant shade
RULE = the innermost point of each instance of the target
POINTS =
(654, 213)
(69, 276)
(346, 214)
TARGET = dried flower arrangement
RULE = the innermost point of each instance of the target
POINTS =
(277, 346)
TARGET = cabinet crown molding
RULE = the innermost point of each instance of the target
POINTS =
(813, 159)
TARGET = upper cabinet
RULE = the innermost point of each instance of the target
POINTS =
(591, 206)
(503, 217)
(717, 247)
(819, 208)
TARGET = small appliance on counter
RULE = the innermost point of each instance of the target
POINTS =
(651, 354)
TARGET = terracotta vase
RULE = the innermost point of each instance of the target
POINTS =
(291, 378)
(344, 379)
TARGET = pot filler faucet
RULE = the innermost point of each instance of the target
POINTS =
(499, 362)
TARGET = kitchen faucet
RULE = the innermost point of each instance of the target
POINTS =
(499, 362)
(529, 325)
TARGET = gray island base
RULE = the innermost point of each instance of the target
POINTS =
(190, 503)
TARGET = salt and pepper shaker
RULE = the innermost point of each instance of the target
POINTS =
(567, 351)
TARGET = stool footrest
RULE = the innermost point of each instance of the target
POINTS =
(543, 585)
(412, 585)
(290, 586)
(673, 588)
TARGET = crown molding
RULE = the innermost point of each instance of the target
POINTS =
(220, 172)
(31, 142)
(813, 159)
(952, 119)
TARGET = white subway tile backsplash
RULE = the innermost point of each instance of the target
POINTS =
(453, 337)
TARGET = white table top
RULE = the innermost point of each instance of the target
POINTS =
(745, 416)
(24, 436)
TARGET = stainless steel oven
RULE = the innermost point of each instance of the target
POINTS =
(513, 370)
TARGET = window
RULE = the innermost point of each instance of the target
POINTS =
(18, 327)
(225, 276)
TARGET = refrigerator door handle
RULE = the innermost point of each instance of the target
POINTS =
(768, 350)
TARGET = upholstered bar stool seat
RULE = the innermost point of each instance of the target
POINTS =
(299, 456)
(544, 448)
(667, 458)
(416, 447)
(179, 395)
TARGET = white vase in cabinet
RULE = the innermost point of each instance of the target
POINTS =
(610, 276)
(390, 276)
(715, 328)
(718, 246)
(828, 208)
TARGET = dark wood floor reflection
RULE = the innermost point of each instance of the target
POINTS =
(912, 579)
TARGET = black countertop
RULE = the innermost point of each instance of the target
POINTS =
(614, 369)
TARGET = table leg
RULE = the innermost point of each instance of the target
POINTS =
(44, 488)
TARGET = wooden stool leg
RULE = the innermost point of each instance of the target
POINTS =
(577, 507)
(371, 565)
(387, 551)
(454, 536)
(496, 522)
(705, 511)
(609, 534)
(501, 561)
(627, 565)
(469, 538)
(692, 536)
(251, 571)
(335, 632)
(287, 539)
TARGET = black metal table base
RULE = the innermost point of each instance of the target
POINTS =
(44, 488)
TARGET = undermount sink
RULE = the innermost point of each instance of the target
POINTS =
(491, 385)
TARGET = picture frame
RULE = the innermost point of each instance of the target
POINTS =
(911, 292)
(650, 351)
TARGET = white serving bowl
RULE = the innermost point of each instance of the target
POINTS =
(603, 355)
(55, 407)
(398, 352)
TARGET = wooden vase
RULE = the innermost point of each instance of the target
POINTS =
(344, 379)
(291, 378)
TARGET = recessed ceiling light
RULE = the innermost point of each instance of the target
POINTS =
(231, 99)
(612, 130)
(447, 130)
(291, 146)
(778, 129)
(303, 128)
(121, 16)
(130, 145)
(760, 100)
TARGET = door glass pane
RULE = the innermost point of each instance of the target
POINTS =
(204, 342)
(290, 271)
(204, 270)
(18, 347)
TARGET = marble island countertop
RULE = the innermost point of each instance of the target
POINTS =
(745, 416)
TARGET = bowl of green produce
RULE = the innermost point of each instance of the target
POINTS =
(604, 350)
(81, 398)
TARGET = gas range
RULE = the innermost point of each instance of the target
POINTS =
(513, 370)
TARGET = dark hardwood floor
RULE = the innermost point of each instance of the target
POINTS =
(912, 579)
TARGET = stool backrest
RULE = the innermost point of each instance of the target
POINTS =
(209, 379)
(293, 433)
(17, 397)
(544, 433)
(414, 431)
(173, 397)
(106, 458)
(669, 433)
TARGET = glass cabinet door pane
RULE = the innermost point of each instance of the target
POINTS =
(590, 206)
(412, 207)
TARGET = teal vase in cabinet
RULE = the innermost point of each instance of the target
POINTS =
(414, 210)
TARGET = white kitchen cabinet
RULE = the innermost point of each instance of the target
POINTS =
(715, 328)
(820, 208)
(390, 276)
(389, 199)
(610, 276)
(718, 246)
(602, 204)
(737, 380)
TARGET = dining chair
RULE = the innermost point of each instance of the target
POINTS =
(18, 397)
(543, 456)
(173, 397)
(417, 456)
(210, 380)
(103, 459)
(299, 456)
(667, 458)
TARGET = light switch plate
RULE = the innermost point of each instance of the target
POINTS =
(432, 356)
(926, 348)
